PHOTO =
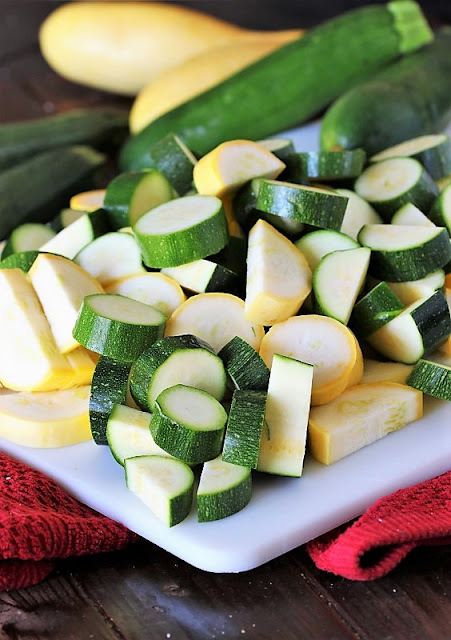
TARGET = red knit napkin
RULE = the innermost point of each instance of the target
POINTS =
(40, 522)
(377, 541)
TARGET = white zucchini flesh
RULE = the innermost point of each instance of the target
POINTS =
(278, 276)
(396, 237)
(30, 358)
(194, 408)
(215, 318)
(61, 286)
(193, 275)
(28, 237)
(410, 147)
(156, 289)
(128, 434)
(317, 244)
(338, 280)
(49, 419)
(124, 310)
(286, 416)
(388, 179)
(357, 214)
(376, 371)
(224, 489)
(318, 340)
(177, 215)
(164, 484)
(409, 214)
(111, 257)
(360, 416)
(70, 240)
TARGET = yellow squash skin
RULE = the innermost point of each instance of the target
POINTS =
(122, 46)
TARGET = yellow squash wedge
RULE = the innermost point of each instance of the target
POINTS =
(87, 201)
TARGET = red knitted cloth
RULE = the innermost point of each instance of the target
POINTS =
(39, 523)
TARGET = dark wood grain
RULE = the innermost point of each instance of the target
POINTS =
(144, 593)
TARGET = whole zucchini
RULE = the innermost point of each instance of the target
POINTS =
(101, 128)
(292, 83)
(410, 98)
(35, 190)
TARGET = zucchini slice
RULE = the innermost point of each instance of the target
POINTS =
(376, 308)
(156, 289)
(278, 276)
(61, 286)
(360, 416)
(64, 218)
(70, 240)
(244, 365)
(108, 388)
(310, 205)
(27, 237)
(224, 489)
(175, 360)
(87, 201)
(118, 327)
(231, 164)
(389, 184)
(376, 371)
(22, 260)
(317, 244)
(282, 446)
(440, 212)
(415, 332)
(188, 423)
(400, 252)
(280, 147)
(321, 341)
(431, 378)
(111, 257)
(337, 281)
(215, 318)
(49, 419)
(410, 215)
(325, 165)
(433, 151)
(128, 434)
(181, 231)
(357, 214)
(40, 366)
(244, 428)
(203, 276)
(164, 484)
(129, 195)
(413, 290)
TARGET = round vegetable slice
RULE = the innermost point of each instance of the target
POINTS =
(224, 489)
(326, 165)
(87, 201)
(156, 289)
(432, 378)
(316, 244)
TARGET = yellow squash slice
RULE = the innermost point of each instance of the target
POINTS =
(30, 359)
(232, 164)
(376, 371)
(44, 420)
(87, 201)
(215, 318)
(278, 276)
(61, 286)
(359, 416)
(324, 342)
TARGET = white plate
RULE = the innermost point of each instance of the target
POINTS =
(284, 512)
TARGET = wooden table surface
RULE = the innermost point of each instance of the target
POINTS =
(144, 593)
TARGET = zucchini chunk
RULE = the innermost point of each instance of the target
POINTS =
(202, 276)
(164, 484)
(215, 318)
(278, 276)
(173, 360)
(321, 341)
(111, 257)
(130, 195)
(188, 423)
(128, 434)
(156, 289)
(232, 164)
(244, 428)
(61, 286)
(70, 240)
(391, 183)
(431, 378)
(64, 218)
(244, 365)
(224, 489)
(282, 446)
(181, 231)
(440, 212)
(415, 332)
(27, 237)
(116, 326)
(280, 147)
(22, 260)
(358, 213)
(325, 165)
(376, 308)
(400, 252)
(108, 388)
(410, 215)
(49, 419)
(316, 244)
(413, 290)
(359, 416)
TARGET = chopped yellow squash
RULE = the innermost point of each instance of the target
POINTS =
(375, 371)
(87, 201)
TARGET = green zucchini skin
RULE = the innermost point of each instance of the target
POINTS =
(102, 129)
(108, 387)
(22, 260)
(433, 321)
(244, 365)
(431, 378)
(410, 98)
(291, 84)
(376, 308)
(37, 189)
(244, 428)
